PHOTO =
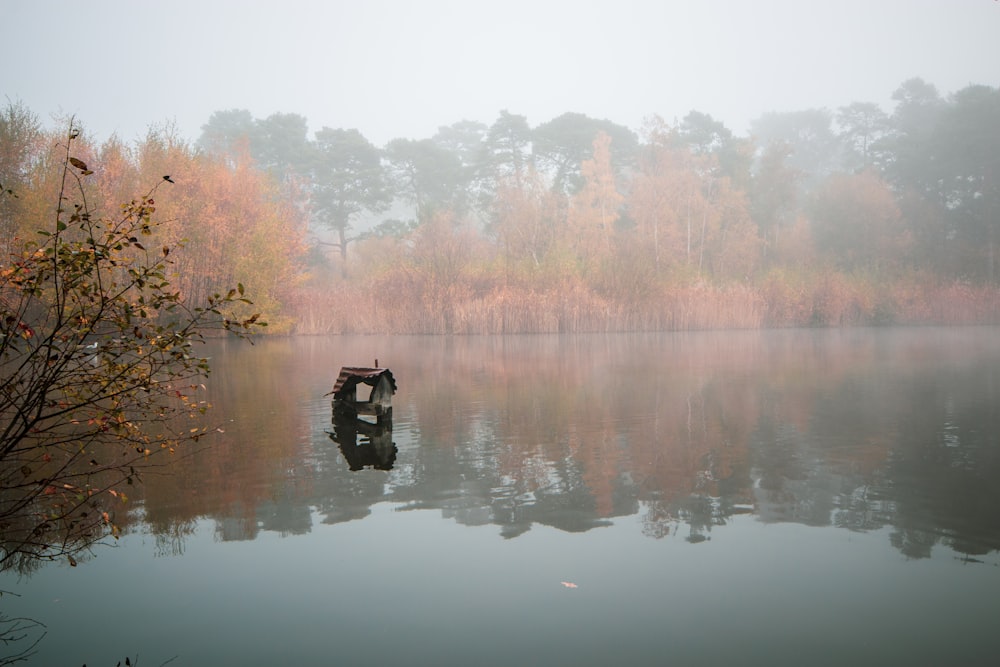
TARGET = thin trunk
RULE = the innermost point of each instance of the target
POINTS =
(688, 254)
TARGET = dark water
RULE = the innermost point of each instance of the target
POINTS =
(780, 498)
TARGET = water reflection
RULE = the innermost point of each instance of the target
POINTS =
(852, 429)
(364, 444)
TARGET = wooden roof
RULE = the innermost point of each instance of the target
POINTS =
(350, 376)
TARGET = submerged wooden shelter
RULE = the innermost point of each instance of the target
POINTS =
(364, 391)
(363, 444)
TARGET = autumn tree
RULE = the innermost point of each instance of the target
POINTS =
(731, 248)
(237, 225)
(119, 175)
(20, 136)
(857, 224)
(595, 209)
(721, 239)
(664, 201)
(98, 352)
(427, 278)
(525, 220)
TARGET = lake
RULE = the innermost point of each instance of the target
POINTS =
(806, 497)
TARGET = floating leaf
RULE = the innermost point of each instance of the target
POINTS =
(568, 584)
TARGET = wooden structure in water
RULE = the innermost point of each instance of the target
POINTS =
(363, 444)
(364, 391)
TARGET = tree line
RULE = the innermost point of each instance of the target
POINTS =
(98, 366)
(817, 217)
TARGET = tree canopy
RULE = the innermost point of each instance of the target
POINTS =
(100, 370)
(879, 205)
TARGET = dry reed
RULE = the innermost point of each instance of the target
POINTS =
(405, 304)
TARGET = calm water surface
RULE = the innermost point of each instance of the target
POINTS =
(775, 498)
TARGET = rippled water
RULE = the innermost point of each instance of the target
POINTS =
(763, 498)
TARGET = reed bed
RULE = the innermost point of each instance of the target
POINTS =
(833, 300)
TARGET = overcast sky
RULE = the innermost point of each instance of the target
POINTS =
(393, 68)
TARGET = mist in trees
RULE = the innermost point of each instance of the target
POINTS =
(97, 353)
(854, 215)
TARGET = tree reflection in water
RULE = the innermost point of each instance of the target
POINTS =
(860, 430)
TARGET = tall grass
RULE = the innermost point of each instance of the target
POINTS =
(832, 300)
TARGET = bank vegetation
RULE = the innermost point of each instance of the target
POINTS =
(852, 217)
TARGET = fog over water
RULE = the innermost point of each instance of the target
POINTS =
(665, 397)
(820, 497)
(403, 69)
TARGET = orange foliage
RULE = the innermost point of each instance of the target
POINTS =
(858, 224)
(593, 213)
(667, 243)
(526, 218)
(664, 203)
(236, 225)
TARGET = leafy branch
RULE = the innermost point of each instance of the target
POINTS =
(99, 369)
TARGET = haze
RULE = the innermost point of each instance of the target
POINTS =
(403, 69)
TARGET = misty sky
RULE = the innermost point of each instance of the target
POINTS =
(393, 68)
